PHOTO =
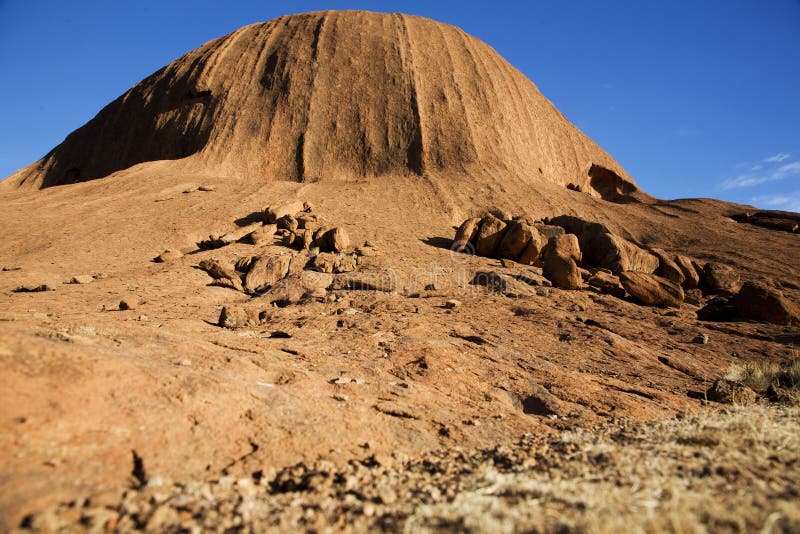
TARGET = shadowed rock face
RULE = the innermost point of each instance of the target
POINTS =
(336, 96)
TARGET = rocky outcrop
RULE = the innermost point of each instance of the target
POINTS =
(601, 248)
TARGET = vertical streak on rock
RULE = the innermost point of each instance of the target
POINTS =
(415, 159)
(302, 157)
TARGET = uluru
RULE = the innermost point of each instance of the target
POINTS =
(347, 270)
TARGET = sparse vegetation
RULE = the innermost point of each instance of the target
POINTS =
(734, 470)
(759, 376)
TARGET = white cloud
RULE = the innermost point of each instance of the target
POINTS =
(750, 180)
(777, 158)
(783, 201)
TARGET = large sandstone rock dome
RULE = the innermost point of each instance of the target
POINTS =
(345, 95)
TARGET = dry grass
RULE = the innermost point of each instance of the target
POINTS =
(735, 470)
(759, 376)
(714, 472)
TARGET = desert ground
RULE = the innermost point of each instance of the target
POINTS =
(247, 295)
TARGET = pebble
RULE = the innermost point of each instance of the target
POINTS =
(81, 279)
(452, 303)
(129, 302)
(701, 339)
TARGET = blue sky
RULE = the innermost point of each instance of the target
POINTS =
(694, 98)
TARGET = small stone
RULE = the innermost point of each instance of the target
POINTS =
(82, 279)
(701, 339)
(207, 188)
(168, 255)
(341, 398)
(129, 302)
(452, 303)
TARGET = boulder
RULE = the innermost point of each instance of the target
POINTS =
(328, 262)
(36, 287)
(562, 271)
(273, 213)
(607, 283)
(218, 268)
(466, 234)
(721, 308)
(228, 283)
(616, 254)
(338, 239)
(307, 221)
(266, 271)
(720, 278)
(263, 235)
(288, 291)
(369, 279)
(212, 242)
(304, 239)
(129, 302)
(547, 231)
(515, 240)
(315, 282)
(243, 264)
(652, 290)
(692, 296)
(576, 225)
(601, 248)
(297, 263)
(503, 215)
(168, 255)
(667, 268)
(564, 245)
(761, 303)
(533, 250)
(288, 238)
(237, 317)
(542, 402)
(691, 278)
(329, 239)
(287, 222)
(489, 236)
